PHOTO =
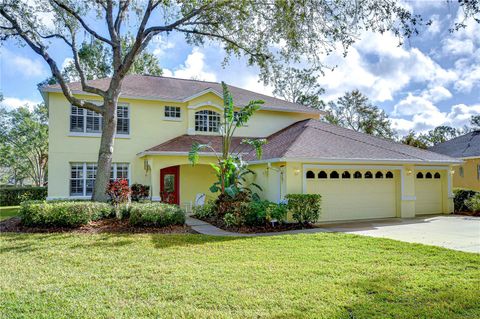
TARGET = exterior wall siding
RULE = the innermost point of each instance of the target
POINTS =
(470, 179)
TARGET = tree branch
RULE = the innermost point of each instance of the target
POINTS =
(82, 22)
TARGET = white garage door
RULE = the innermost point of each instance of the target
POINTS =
(351, 194)
(428, 190)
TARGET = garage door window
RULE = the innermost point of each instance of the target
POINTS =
(346, 175)
(428, 175)
(379, 175)
(357, 175)
(389, 175)
(437, 175)
(334, 175)
(322, 175)
(310, 175)
(419, 175)
(368, 174)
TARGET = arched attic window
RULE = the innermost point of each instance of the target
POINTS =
(207, 121)
(322, 175)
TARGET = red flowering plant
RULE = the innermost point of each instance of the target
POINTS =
(119, 193)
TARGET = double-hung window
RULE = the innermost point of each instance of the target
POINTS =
(82, 177)
(172, 112)
(86, 121)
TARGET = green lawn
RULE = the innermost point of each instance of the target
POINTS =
(8, 211)
(196, 276)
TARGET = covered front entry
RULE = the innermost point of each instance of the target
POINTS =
(170, 185)
(350, 194)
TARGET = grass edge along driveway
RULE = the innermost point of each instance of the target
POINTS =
(327, 275)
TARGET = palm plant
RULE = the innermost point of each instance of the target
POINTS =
(230, 169)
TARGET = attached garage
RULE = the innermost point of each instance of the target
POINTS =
(354, 194)
(428, 192)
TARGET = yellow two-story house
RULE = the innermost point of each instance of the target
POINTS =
(159, 118)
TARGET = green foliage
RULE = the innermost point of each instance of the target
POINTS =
(305, 208)
(473, 203)
(298, 86)
(156, 214)
(24, 143)
(62, 213)
(11, 196)
(354, 111)
(263, 211)
(413, 140)
(140, 192)
(230, 220)
(461, 197)
(206, 211)
(229, 168)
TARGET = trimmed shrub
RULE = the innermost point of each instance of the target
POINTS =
(62, 213)
(305, 208)
(208, 210)
(230, 220)
(473, 203)
(12, 196)
(264, 211)
(461, 196)
(156, 214)
(140, 192)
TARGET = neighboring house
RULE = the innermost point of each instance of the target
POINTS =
(466, 148)
(358, 175)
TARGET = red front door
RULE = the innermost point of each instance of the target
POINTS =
(169, 185)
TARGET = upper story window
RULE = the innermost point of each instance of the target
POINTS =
(172, 112)
(207, 121)
(86, 121)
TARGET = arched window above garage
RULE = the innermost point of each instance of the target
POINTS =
(378, 174)
(419, 175)
(322, 175)
(428, 175)
(437, 175)
(334, 174)
(346, 175)
(357, 175)
(389, 175)
(310, 175)
(368, 174)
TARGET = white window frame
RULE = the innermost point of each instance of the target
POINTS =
(99, 133)
(167, 114)
(209, 115)
(84, 176)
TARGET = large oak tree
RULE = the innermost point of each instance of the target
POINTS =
(268, 32)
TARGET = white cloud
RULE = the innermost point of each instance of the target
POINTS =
(22, 65)
(380, 68)
(194, 67)
(435, 26)
(13, 102)
(161, 46)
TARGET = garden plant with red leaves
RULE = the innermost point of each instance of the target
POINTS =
(119, 191)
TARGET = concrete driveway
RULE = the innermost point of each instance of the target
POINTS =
(452, 231)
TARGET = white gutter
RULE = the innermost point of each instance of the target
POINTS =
(355, 160)
(154, 98)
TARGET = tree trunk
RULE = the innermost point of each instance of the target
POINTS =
(105, 153)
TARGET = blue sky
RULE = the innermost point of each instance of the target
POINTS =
(432, 79)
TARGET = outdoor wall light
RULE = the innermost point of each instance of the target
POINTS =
(452, 172)
(296, 171)
(409, 172)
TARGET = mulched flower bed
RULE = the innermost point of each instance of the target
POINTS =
(111, 225)
(476, 214)
(268, 228)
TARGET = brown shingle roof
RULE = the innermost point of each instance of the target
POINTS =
(183, 143)
(313, 139)
(173, 89)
